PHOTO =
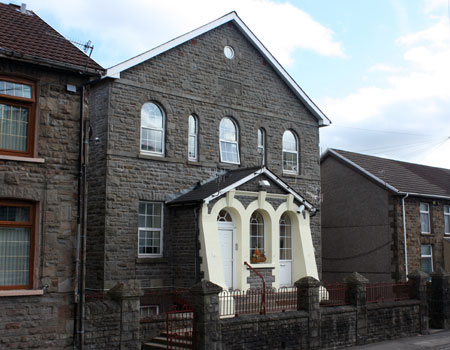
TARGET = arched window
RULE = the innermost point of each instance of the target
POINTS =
(193, 138)
(229, 145)
(261, 146)
(290, 152)
(285, 237)
(152, 129)
(257, 236)
(224, 216)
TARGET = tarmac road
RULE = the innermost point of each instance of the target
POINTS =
(436, 340)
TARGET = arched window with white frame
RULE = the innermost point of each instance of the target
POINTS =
(257, 238)
(229, 142)
(152, 129)
(193, 138)
(290, 152)
(261, 146)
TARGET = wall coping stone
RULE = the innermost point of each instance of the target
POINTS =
(205, 287)
(356, 278)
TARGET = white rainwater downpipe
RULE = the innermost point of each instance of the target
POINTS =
(404, 236)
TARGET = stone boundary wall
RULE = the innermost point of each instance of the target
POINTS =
(312, 326)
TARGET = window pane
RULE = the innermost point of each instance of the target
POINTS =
(290, 161)
(423, 207)
(289, 141)
(151, 116)
(426, 250)
(227, 130)
(16, 214)
(447, 223)
(192, 147)
(424, 223)
(229, 152)
(13, 128)
(15, 89)
(192, 125)
(14, 256)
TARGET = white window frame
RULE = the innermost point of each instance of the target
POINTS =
(232, 142)
(288, 171)
(160, 129)
(427, 213)
(261, 146)
(264, 235)
(194, 136)
(160, 230)
(447, 219)
(145, 311)
(430, 256)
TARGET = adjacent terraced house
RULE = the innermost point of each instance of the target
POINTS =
(383, 218)
(41, 125)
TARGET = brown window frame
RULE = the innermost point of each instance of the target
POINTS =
(28, 103)
(31, 224)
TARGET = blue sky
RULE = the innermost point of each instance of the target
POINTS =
(379, 69)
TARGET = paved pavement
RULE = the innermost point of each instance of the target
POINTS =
(437, 340)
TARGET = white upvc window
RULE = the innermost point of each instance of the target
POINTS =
(425, 218)
(229, 142)
(447, 219)
(426, 255)
(290, 152)
(261, 146)
(152, 129)
(257, 237)
(150, 229)
(193, 138)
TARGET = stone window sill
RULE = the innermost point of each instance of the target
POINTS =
(21, 292)
(22, 159)
(148, 260)
(262, 266)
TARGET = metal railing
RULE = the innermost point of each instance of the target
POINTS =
(382, 292)
(263, 294)
(236, 302)
(333, 294)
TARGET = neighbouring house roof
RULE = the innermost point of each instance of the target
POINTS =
(114, 71)
(25, 36)
(397, 176)
(222, 183)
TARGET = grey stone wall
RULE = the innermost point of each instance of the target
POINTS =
(288, 330)
(46, 321)
(255, 281)
(356, 210)
(193, 78)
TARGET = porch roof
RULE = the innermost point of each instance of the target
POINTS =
(229, 180)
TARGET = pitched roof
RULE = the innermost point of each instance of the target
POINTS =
(25, 36)
(114, 71)
(400, 177)
(221, 184)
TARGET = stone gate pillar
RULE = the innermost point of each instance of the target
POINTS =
(308, 300)
(356, 294)
(419, 289)
(128, 295)
(206, 305)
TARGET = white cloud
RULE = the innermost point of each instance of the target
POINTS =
(125, 29)
(382, 67)
(415, 99)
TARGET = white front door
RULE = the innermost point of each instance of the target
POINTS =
(227, 241)
(285, 273)
(285, 251)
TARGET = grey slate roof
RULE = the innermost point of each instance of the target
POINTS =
(403, 176)
(202, 191)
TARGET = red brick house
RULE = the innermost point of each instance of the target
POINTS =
(371, 204)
